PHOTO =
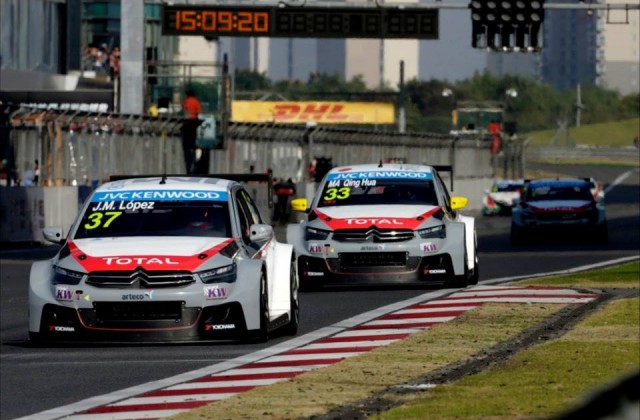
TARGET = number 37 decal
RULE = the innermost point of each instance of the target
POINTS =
(99, 219)
(336, 193)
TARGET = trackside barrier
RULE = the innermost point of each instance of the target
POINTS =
(79, 151)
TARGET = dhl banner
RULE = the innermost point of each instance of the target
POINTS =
(322, 112)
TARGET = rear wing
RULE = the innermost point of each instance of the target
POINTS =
(445, 168)
(231, 177)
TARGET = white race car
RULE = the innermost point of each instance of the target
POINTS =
(379, 224)
(164, 258)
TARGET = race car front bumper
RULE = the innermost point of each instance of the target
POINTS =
(142, 321)
(351, 269)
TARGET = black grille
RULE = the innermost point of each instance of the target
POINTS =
(372, 259)
(372, 235)
(140, 279)
(560, 217)
(137, 311)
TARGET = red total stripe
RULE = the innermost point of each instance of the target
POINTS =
(220, 390)
(224, 378)
(353, 349)
(524, 295)
(285, 363)
(147, 407)
(423, 315)
(363, 337)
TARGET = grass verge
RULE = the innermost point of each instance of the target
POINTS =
(538, 382)
(614, 134)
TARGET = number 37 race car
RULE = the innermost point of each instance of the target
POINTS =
(383, 224)
(164, 258)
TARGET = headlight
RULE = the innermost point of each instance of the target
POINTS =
(313, 234)
(63, 276)
(439, 231)
(226, 274)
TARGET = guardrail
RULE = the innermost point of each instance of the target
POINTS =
(630, 153)
(78, 151)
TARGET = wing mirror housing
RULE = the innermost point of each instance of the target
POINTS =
(299, 204)
(459, 202)
(53, 234)
(260, 232)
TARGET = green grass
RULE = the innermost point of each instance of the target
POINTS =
(544, 380)
(550, 378)
(627, 275)
(614, 134)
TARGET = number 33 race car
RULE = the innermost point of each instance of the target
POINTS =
(376, 224)
(165, 258)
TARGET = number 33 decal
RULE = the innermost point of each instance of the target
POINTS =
(337, 193)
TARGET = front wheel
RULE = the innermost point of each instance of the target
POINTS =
(263, 332)
(292, 327)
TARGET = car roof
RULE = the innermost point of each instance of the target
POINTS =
(510, 182)
(376, 167)
(168, 183)
(559, 181)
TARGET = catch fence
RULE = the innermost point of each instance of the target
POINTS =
(75, 148)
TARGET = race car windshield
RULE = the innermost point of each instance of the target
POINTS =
(506, 188)
(559, 192)
(360, 192)
(155, 218)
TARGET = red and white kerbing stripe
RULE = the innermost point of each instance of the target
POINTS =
(324, 351)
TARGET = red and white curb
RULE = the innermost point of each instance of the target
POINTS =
(302, 354)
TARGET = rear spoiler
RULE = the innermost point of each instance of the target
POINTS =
(231, 177)
(445, 168)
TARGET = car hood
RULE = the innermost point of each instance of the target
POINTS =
(560, 206)
(391, 216)
(150, 253)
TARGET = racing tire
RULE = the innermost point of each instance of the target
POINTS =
(35, 339)
(263, 332)
(463, 280)
(475, 274)
(292, 327)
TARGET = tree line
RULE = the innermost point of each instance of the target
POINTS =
(537, 106)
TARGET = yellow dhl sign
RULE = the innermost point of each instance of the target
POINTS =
(324, 112)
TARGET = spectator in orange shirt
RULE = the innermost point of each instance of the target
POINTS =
(192, 108)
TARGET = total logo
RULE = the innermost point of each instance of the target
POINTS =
(138, 296)
(376, 222)
(139, 261)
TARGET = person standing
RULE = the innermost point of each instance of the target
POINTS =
(283, 191)
(191, 108)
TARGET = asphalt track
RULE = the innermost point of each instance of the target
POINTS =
(34, 380)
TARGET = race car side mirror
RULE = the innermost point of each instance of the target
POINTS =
(53, 234)
(458, 203)
(260, 232)
(299, 204)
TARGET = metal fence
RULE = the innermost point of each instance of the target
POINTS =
(75, 149)
(78, 151)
